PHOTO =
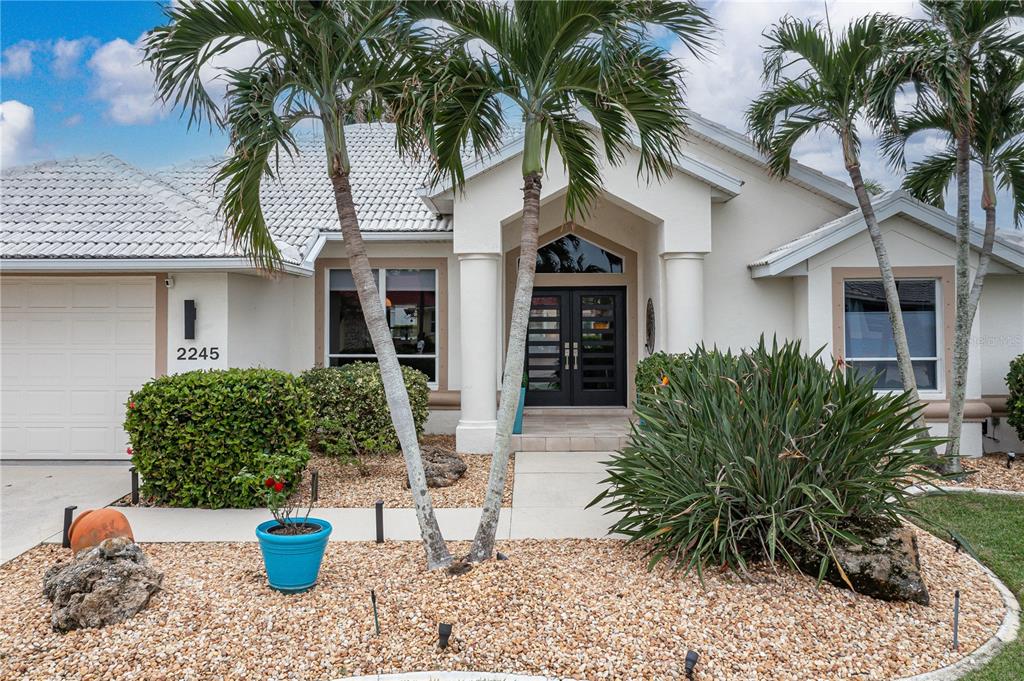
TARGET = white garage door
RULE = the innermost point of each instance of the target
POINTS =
(72, 348)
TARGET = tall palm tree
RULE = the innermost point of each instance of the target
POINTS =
(816, 80)
(323, 61)
(543, 63)
(940, 57)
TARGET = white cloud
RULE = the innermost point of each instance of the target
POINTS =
(125, 83)
(17, 133)
(72, 120)
(67, 54)
(17, 59)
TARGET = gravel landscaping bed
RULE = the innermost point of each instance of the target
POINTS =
(990, 472)
(585, 609)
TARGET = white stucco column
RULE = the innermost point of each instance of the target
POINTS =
(478, 322)
(684, 300)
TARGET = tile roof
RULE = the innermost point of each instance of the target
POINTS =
(102, 207)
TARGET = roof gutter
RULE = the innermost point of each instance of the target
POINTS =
(119, 265)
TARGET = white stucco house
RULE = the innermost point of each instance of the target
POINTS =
(111, 275)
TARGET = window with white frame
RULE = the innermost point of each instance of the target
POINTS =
(868, 332)
(410, 300)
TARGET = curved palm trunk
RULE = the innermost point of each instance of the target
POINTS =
(892, 298)
(967, 305)
(390, 370)
(515, 355)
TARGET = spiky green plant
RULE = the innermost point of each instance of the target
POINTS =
(752, 456)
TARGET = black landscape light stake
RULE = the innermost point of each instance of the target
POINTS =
(69, 513)
(379, 511)
(956, 621)
(314, 485)
(690, 663)
(135, 485)
(444, 632)
(1010, 458)
(376, 620)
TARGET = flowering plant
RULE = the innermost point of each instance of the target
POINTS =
(272, 483)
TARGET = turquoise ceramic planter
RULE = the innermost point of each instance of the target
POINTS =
(293, 560)
(517, 427)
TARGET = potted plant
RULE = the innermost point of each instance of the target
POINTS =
(292, 544)
(517, 426)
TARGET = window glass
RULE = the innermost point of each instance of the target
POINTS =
(570, 254)
(868, 331)
(410, 300)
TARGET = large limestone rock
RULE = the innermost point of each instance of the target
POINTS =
(886, 566)
(442, 468)
(103, 585)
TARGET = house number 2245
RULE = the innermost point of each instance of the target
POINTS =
(199, 353)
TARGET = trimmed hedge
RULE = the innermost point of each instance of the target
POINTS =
(352, 414)
(1015, 400)
(193, 433)
(753, 456)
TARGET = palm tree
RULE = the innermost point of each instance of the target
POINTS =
(816, 80)
(322, 61)
(545, 62)
(941, 56)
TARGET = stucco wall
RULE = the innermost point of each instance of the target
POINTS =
(262, 315)
(210, 293)
(1002, 329)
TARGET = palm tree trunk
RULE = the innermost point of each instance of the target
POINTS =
(961, 341)
(515, 356)
(390, 370)
(892, 298)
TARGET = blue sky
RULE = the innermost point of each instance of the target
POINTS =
(71, 82)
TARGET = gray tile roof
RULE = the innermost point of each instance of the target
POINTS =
(102, 207)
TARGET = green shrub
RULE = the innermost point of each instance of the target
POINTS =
(650, 370)
(192, 433)
(1015, 399)
(746, 457)
(352, 414)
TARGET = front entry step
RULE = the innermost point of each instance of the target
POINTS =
(568, 442)
(553, 429)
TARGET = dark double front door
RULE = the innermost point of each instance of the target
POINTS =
(576, 347)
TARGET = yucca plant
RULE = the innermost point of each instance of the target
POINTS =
(763, 455)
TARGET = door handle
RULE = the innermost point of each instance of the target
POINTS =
(576, 355)
(566, 346)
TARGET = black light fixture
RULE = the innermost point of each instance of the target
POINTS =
(190, 319)
(444, 632)
(379, 515)
(1010, 458)
(956, 621)
(314, 485)
(376, 619)
(691, 662)
(69, 514)
(135, 485)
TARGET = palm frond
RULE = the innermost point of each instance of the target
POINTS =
(928, 179)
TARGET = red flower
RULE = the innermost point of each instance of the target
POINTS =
(664, 380)
(131, 405)
(269, 482)
(278, 486)
(129, 451)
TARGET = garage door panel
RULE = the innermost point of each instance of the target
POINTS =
(93, 295)
(92, 404)
(97, 331)
(40, 404)
(72, 350)
(48, 330)
(135, 331)
(48, 295)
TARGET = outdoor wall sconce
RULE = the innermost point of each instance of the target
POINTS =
(690, 663)
(444, 632)
(190, 319)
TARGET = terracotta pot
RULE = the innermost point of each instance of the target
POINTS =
(92, 527)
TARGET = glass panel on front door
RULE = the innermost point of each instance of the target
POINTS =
(575, 348)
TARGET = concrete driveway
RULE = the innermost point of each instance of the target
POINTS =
(33, 497)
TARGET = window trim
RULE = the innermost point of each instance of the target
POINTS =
(944, 303)
(322, 300)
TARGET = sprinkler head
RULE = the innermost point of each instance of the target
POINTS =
(690, 662)
(444, 632)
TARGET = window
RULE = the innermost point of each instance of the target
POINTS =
(869, 341)
(410, 301)
(572, 255)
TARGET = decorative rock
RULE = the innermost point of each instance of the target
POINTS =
(887, 566)
(92, 527)
(442, 468)
(103, 585)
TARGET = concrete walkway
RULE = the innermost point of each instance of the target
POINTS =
(550, 492)
(33, 497)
